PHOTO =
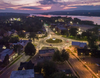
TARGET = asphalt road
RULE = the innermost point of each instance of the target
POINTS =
(7, 72)
(79, 67)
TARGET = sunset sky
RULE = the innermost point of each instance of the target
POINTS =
(38, 6)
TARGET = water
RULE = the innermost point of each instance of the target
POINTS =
(90, 18)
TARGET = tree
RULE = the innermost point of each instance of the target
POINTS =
(6, 60)
(38, 67)
(64, 55)
(60, 57)
(21, 34)
(33, 35)
(73, 31)
(17, 48)
(49, 67)
(84, 34)
(57, 56)
(14, 39)
(30, 49)
(92, 42)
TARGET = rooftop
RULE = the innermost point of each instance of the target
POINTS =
(61, 27)
(23, 74)
(79, 44)
(5, 52)
(46, 51)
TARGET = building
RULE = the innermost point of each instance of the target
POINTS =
(26, 65)
(79, 44)
(10, 52)
(23, 43)
(26, 70)
(60, 29)
(47, 53)
(23, 74)
(83, 52)
(82, 28)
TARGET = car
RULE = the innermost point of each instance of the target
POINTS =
(67, 41)
(50, 44)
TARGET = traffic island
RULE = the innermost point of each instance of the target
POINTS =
(54, 40)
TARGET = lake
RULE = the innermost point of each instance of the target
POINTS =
(90, 18)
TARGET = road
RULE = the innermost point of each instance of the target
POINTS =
(77, 65)
(7, 72)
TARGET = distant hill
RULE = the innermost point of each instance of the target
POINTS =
(76, 12)
(13, 14)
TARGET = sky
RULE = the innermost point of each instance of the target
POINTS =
(40, 6)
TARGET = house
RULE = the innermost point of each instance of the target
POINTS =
(47, 53)
(83, 52)
(60, 29)
(10, 52)
(53, 25)
(27, 34)
(26, 65)
(40, 34)
(79, 44)
(23, 43)
(23, 74)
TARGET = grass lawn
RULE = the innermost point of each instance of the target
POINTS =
(54, 41)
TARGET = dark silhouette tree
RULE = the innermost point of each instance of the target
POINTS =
(30, 49)
(33, 35)
(49, 67)
(57, 56)
(64, 55)
(14, 39)
(92, 42)
(61, 56)
(73, 31)
(6, 60)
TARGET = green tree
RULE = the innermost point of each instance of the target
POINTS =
(38, 67)
(73, 31)
(21, 34)
(6, 60)
(92, 42)
(33, 35)
(84, 34)
(64, 55)
(14, 39)
(49, 67)
(61, 56)
(17, 48)
(30, 49)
